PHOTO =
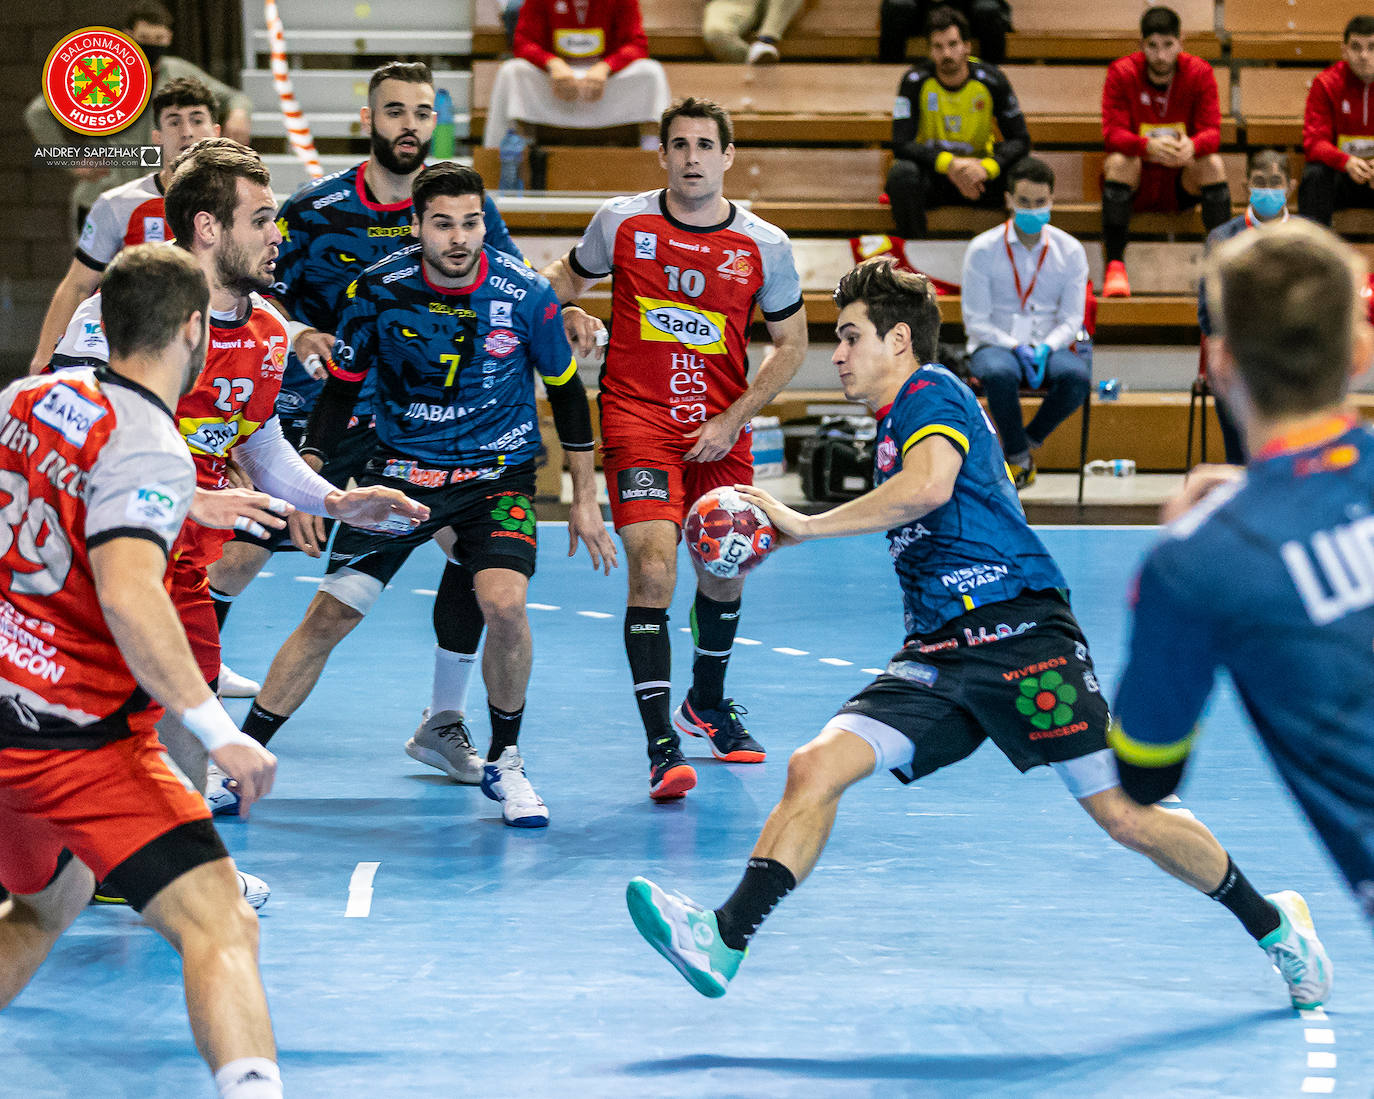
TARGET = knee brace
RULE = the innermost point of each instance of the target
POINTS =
(1116, 205)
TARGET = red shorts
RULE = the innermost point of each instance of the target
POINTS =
(646, 477)
(1161, 191)
(195, 608)
(102, 804)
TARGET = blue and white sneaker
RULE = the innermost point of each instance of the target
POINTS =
(1296, 951)
(505, 781)
(255, 890)
(222, 800)
(684, 933)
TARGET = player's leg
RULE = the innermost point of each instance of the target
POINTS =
(724, 24)
(30, 923)
(242, 560)
(1317, 192)
(1206, 179)
(1120, 178)
(908, 190)
(1068, 380)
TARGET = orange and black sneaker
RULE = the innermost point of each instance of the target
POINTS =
(1115, 284)
(670, 775)
(720, 725)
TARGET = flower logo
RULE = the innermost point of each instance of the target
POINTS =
(1047, 700)
(515, 513)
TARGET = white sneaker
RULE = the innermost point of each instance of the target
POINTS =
(255, 890)
(442, 741)
(763, 53)
(505, 781)
(233, 685)
(1296, 951)
(223, 802)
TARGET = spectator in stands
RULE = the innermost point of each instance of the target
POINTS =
(1271, 186)
(943, 142)
(725, 23)
(150, 25)
(581, 65)
(1162, 126)
(1025, 286)
(900, 20)
(1336, 129)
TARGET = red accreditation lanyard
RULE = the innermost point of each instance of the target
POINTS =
(1023, 296)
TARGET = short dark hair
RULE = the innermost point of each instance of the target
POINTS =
(694, 107)
(205, 178)
(184, 91)
(147, 11)
(1361, 25)
(444, 178)
(895, 297)
(1261, 159)
(944, 17)
(408, 72)
(1286, 298)
(146, 294)
(1030, 168)
(1161, 20)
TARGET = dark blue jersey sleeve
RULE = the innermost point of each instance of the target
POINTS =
(934, 403)
(355, 343)
(291, 256)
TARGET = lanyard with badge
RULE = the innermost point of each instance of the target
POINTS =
(1021, 322)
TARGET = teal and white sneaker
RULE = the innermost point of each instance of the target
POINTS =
(1296, 951)
(684, 933)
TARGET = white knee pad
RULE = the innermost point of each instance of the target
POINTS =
(1090, 774)
(352, 589)
(891, 747)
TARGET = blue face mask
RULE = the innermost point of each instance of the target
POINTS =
(1268, 202)
(1031, 222)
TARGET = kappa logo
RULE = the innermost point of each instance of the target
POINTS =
(673, 322)
(67, 411)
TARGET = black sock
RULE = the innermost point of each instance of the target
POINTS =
(713, 631)
(505, 731)
(765, 882)
(1216, 205)
(1116, 219)
(1236, 893)
(650, 650)
(223, 603)
(262, 725)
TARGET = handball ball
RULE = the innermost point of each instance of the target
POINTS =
(726, 534)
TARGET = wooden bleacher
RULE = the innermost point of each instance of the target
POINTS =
(1288, 30)
(1272, 102)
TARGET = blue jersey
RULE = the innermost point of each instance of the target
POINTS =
(332, 230)
(977, 548)
(454, 369)
(1271, 579)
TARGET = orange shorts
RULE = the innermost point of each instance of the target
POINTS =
(647, 479)
(102, 804)
(196, 609)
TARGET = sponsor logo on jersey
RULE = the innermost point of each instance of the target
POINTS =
(67, 411)
(901, 108)
(512, 439)
(500, 313)
(445, 310)
(1334, 571)
(329, 200)
(213, 435)
(97, 81)
(154, 505)
(646, 246)
(388, 230)
(154, 230)
(642, 483)
(87, 233)
(913, 672)
(274, 361)
(503, 285)
(974, 576)
(886, 454)
(576, 43)
(501, 342)
(403, 273)
(673, 322)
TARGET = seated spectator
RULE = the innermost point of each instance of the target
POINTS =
(943, 140)
(150, 25)
(900, 20)
(725, 23)
(1024, 289)
(1162, 126)
(1337, 125)
(581, 66)
(1271, 186)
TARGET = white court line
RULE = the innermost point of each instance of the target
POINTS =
(1321, 1060)
(306, 579)
(423, 591)
(1312, 1012)
(595, 614)
(874, 671)
(1318, 1085)
(1320, 1037)
(791, 652)
(360, 889)
(837, 662)
(543, 607)
(267, 574)
(747, 641)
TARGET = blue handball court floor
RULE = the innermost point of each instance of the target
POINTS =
(973, 934)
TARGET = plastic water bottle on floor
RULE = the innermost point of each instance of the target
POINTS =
(1110, 467)
(442, 144)
(512, 153)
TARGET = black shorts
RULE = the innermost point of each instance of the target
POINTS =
(1017, 673)
(492, 517)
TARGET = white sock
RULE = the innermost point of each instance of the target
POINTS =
(249, 1078)
(452, 675)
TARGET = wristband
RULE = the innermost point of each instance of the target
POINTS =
(294, 329)
(211, 724)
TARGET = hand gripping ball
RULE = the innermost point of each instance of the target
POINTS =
(726, 534)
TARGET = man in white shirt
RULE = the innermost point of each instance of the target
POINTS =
(1024, 290)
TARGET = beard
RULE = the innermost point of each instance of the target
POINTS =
(195, 363)
(235, 272)
(396, 163)
(451, 269)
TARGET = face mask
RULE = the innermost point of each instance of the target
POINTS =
(1031, 222)
(1268, 202)
(154, 54)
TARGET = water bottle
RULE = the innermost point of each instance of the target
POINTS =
(1109, 389)
(1110, 467)
(512, 158)
(442, 144)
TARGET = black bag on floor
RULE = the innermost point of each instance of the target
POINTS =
(837, 462)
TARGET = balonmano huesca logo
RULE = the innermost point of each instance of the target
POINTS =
(97, 81)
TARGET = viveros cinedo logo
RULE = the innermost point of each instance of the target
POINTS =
(97, 81)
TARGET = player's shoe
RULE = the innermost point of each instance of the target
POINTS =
(255, 891)
(1022, 476)
(721, 727)
(1115, 284)
(223, 802)
(442, 741)
(670, 775)
(232, 685)
(763, 52)
(684, 933)
(505, 781)
(1296, 951)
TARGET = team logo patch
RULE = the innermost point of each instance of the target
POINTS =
(514, 514)
(886, 454)
(646, 246)
(500, 342)
(901, 108)
(97, 81)
(913, 672)
(500, 313)
(673, 322)
(642, 483)
(68, 412)
(154, 230)
(1046, 700)
(153, 505)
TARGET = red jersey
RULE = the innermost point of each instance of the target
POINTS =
(1134, 109)
(581, 32)
(682, 298)
(132, 213)
(1337, 122)
(85, 456)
